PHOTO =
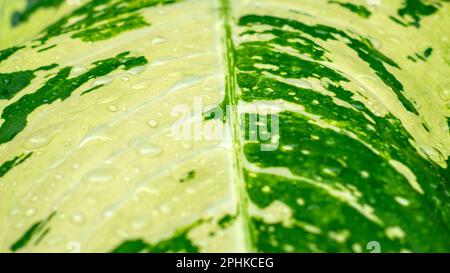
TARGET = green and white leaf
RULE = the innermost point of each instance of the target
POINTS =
(89, 162)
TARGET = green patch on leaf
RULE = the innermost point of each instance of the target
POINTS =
(341, 187)
(358, 9)
(225, 221)
(111, 28)
(8, 165)
(46, 48)
(190, 175)
(421, 56)
(38, 230)
(101, 19)
(32, 6)
(412, 12)
(92, 89)
(335, 200)
(59, 87)
(361, 45)
(179, 242)
(13, 83)
(5, 53)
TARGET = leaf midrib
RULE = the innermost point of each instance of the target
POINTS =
(230, 100)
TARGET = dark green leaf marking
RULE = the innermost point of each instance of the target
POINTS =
(92, 89)
(300, 43)
(190, 175)
(322, 159)
(37, 229)
(13, 83)
(358, 9)
(32, 6)
(225, 221)
(412, 11)
(179, 242)
(8, 165)
(101, 19)
(5, 53)
(42, 236)
(327, 164)
(59, 87)
(421, 56)
(132, 246)
(111, 28)
(362, 46)
(448, 126)
(46, 48)
(375, 60)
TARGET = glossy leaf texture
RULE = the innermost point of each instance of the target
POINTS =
(358, 141)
